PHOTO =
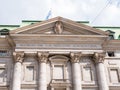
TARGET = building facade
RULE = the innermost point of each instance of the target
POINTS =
(59, 54)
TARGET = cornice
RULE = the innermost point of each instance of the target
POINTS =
(10, 41)
(112, 45)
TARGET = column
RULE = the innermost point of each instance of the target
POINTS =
(18, 58)
(100, 70)
(76, 72)
(42, 58)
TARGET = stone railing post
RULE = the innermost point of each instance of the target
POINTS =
(100, 69)
(18, 58)
(42, 59)
(76, 72)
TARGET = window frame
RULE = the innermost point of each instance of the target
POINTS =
(24, 67)
(118, 70)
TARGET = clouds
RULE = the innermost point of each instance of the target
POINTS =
(13, 11)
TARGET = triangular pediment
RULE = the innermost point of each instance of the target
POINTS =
(58, 25)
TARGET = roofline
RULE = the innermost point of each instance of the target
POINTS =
(31, 21)
(106, 27)
(9, 25)
(82, 21)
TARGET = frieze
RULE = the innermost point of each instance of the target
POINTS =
(91, 46)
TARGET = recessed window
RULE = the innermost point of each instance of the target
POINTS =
(29, 73)
(2, 75)
(87, 74)
(111, 34)
(114, 76)
(111, 37)
(4, 32)
(3, 52)
(58, 72)
(111, 54)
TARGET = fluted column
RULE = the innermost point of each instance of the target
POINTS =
(18, 58)
(102, 80)
(76, 72)
(42, 58)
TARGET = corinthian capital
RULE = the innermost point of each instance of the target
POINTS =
(75, 57)
(43, 57)
(18, 56)
(99, 57)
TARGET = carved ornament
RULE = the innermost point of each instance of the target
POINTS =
(75, 57)
(99, 57)
(58, 28)
(43, 57)
(18, 56)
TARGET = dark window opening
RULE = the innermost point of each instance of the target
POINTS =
(119, 37)
(111, 34)
(111, 54)
(111, 37)
(4, 32)
(3, 52)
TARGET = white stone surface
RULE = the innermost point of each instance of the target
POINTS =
(42, 76)
(17, 76)
(102, 80)
(76, 73)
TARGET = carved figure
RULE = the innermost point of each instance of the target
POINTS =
(58, 27)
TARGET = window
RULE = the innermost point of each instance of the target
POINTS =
(4, 32)
(87, 74)
(29, 73)
(111, 54)
(3, 53)
(111, 34)
(114, 76)
(2, 75)
(111, 37)
(58, 72)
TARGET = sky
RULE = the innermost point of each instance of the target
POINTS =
(97, 12)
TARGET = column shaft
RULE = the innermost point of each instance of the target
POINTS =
(76, 76)
(76, 72)
(42, 76)
(18, 58)
(42, 59)
(17, 76)
(102, 81)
